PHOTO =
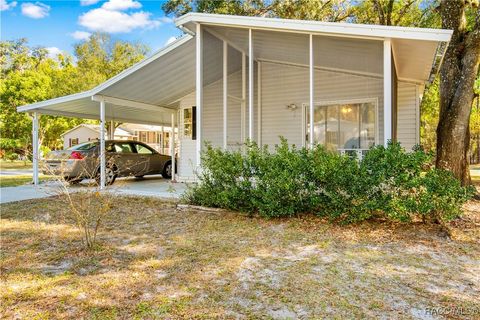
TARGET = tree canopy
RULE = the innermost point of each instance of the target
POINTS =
(30, 75)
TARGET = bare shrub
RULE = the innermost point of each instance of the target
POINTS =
(87, 204)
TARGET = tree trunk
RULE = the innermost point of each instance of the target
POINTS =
(457, 78)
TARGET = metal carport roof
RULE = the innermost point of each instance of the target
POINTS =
(152, 86)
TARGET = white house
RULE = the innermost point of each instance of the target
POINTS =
(232, 78)
(157, 137)
(86, 132)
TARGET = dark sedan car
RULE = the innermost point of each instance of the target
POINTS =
(123, 158)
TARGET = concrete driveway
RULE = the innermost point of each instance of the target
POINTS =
(151, 186)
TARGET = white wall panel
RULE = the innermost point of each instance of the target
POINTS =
(284, 85)
(408, 131)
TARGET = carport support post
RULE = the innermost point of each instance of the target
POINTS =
(387, 91)
(102, 145)
(250, 85)
(225, 93)
(244, 98)
(311, 106)
(172, 146)
(199, 88)
(35, 147)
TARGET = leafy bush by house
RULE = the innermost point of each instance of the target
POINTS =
(389, 183)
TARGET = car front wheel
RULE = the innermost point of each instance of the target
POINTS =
(167, 170)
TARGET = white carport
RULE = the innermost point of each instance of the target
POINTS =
(146, 93)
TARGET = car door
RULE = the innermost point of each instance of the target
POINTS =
(124, 158)
(150, 157)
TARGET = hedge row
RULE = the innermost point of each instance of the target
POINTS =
(388, 182)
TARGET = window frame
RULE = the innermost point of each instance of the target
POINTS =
(192, 122)
(132, 147)
(145, 146)
(323, 103)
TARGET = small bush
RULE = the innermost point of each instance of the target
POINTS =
(11, 156)
(10, 145)
(389, 183)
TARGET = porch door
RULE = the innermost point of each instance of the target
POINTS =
(343, 126)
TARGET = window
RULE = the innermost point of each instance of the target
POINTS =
(190, 123)
(122, 148)
(141, 149)
(73, 142)
(142, 136)
(344, 125)
(147, 136)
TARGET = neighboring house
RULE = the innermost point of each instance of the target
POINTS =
(157, 137)
(86, 132)
(233, 78)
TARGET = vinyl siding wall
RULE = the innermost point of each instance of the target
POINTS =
(408, 122)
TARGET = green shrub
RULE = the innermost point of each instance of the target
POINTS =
(389, 183)
(225, 181)
(9, 144)
(11, 156)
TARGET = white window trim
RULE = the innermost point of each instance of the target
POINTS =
(305, 105)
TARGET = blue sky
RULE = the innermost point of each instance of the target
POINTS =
(58, 25)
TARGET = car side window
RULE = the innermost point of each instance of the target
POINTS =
(141, 149)
(123, 148)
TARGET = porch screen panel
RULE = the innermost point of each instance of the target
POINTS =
(349, 74)
(212, 111)
(234, 90)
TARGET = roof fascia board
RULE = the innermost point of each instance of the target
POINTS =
(330, 28)
(37, 105)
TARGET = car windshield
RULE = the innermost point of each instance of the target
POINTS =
(83, 146)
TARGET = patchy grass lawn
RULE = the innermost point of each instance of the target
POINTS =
(18, 180)
(155, 261)
(15, 165)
